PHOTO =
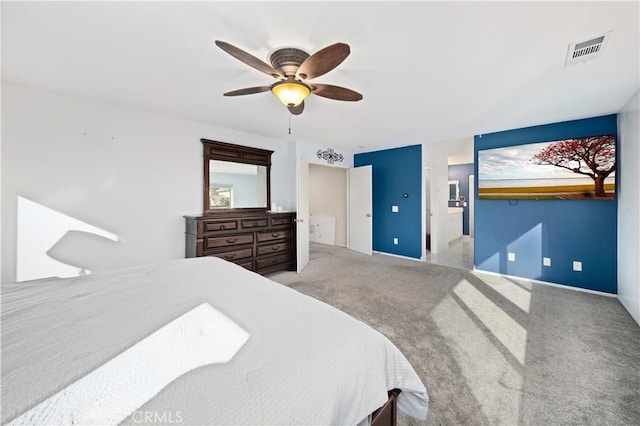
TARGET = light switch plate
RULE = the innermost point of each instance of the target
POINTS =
(511, 257)
(395, 241)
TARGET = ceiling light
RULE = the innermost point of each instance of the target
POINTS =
(291, 92)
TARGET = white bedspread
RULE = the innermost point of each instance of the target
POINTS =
(304, 362)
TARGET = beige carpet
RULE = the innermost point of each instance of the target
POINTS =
(490, 350)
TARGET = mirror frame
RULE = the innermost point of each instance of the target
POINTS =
(457, 184)
(214, 150)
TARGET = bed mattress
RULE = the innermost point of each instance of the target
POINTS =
(291, 359)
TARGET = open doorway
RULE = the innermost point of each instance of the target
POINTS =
(459, 224)
(428, 179)
(333, 208)
(328, 201)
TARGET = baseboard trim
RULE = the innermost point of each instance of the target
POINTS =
(397, 255)
(566, 287)
(634, 315)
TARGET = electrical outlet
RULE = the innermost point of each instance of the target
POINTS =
(511, 257)
(395, 241)
(577, 266)
(546, 261)
(394, 209)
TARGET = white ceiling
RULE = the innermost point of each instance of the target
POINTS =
(428, 71)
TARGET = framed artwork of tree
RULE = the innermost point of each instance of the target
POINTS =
(579, 168)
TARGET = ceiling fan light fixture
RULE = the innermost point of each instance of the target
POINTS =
(294, 67)
(291, 93)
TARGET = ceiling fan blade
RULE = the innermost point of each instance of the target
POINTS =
(248, 58)
(323, 61)
(297, 110)
(248, 91)
(336, 92)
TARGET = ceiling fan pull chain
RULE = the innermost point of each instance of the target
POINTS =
(289, 122)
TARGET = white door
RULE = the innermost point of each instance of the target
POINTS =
(472, 192)
(302, 221)
(428, 212)
(360, 210)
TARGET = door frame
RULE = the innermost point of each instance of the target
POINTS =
(471, 201)
(309, 162)
(302, 226)
(432, 218)
(345, 170)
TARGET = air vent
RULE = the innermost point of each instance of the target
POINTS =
(587, 50)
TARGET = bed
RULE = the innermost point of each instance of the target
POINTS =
(192, 341)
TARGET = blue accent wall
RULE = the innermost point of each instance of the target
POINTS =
(564, 230)
(395, 172)
(461, 172)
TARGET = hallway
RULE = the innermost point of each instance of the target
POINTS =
(458, 255)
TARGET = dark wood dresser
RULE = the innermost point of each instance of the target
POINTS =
(261, 242)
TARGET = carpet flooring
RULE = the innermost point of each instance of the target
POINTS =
(490, 350)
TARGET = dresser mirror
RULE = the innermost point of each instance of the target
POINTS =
(237, 185)
(236, 178)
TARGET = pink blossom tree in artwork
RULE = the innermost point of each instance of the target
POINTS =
(597, 153)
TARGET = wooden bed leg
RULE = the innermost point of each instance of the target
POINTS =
(387, 414)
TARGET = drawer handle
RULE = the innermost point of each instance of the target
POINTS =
(231, 241)
(222, 227)
(274, 248)
(275, 235)
(229, 256)
(255, 223)
(276, 260)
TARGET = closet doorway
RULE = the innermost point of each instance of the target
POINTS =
(328, 200)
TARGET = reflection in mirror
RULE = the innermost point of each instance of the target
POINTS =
(237, 185)
(454, 189)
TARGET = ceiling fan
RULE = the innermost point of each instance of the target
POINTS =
(294, 68)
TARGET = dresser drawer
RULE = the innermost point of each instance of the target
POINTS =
(258, 241)
(229, 240)
(217, 225)
(274, 248)
(259, 222)
(265, 262)
(281, 220)
(235, 254)
(273, 235)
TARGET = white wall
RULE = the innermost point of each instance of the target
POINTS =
(309, 151)
(629, 207)
(127, 172)
(460, 151)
